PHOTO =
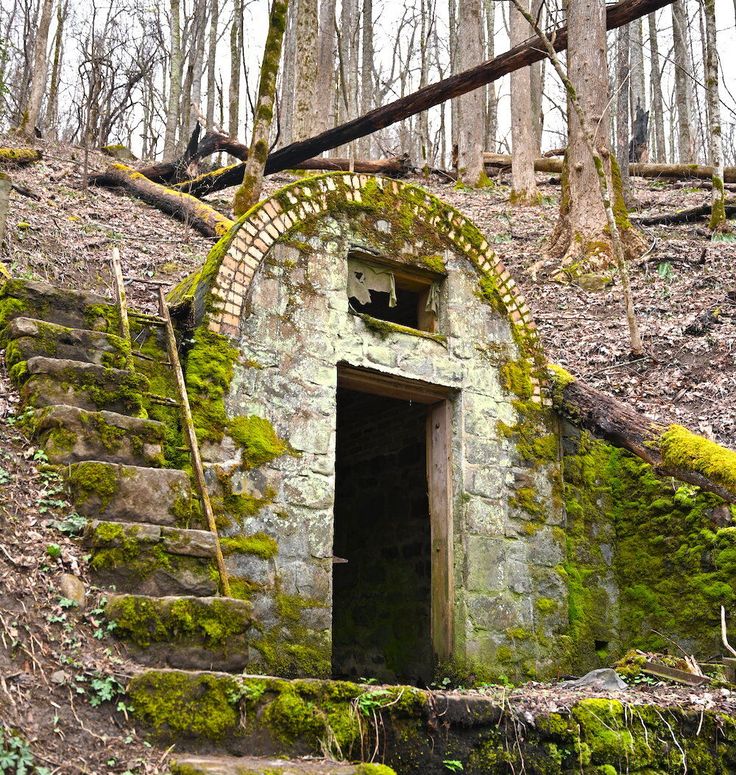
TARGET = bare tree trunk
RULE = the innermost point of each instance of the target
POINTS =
(636, 58)
(29, 118)
(523, 139)
(366, 73)
(715, 150)
(657, 105)
(211, 63)
(683, 86)
(582, 237)
(236, 29)
(454, 68)
(250, 190)
(175, 75)
(489, 10)
(470, 109)
(425, 153)
(325, 99)
(199, 27)
(536, 80)
(589, 19)
(623, 89)
(52, 107)
(307, 31)
(288, 88)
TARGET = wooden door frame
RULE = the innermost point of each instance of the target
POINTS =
(438, 400)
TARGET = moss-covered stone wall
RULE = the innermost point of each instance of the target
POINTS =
(650, 560)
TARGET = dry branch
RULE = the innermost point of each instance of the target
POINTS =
(200, 216)
(620, 425)
(670, 171)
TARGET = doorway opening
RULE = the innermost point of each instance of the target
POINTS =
(391, 593)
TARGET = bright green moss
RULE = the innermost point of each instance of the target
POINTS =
(387, 328)
(258, 544)
(257, 439)
(374, 769)
(215, 623)
(11, 308)
(91, 479)
(516, 378)
(683, 450)
(174, 703)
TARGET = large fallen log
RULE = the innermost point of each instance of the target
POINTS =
(673, 171)
(209, 182)
(19, 157)
(671, 450)
(199, 215)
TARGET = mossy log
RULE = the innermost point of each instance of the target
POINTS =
(18, 157)
(671, 450)
(670, 171)
(200, 216)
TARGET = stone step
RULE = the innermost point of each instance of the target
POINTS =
(69, 435)
(28, 338)
(152, 560)
(185, 631)
(52, 381)
(203, 712)
(75, 309)
(115, 492)
(184, 764)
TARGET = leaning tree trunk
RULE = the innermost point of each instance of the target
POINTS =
(325, 97)
(250, 190)
(523, 139)
(582, 239)
(718, 201)
(30, 115)
(470, 168)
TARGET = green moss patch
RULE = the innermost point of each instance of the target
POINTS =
(258, 544)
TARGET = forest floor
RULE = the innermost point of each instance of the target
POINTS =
(61, 671)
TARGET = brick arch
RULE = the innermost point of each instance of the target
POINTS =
(250, 239)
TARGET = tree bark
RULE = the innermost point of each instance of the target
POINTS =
(638, 90)
(470, 106)
(624, 427)
(233, 92)
(657, 104)
(489, 9)
(325, 98)
(523, 136)
(175, 77)
(307, 31)
(448, 88)
(366, 73)
(212, 62)
(690, 215)
(199, 215)
(623, 90)
(250, 189)
(536, 77)
(29, 119)
(715, 143)
(683, 86)
(52, 107)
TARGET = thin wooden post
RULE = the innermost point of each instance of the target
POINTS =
(192, 438)
(117, 275)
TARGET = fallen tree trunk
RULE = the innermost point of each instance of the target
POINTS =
(683, 216)
(520, 56)
(670, 450)
(674, 171)
(209, 182)
(19, 157)
(199, 215)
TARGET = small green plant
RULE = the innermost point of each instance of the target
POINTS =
(664, 270)
(453, 765)
(53, 551)
(104, 688)
(5, 476)
(66, 602)
(369, 702)
(71, 525)
(16, 756)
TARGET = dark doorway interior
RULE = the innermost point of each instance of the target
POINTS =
(381, 596)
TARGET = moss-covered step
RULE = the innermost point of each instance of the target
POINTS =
(69, 435)
(110, 491)
(51, 381)
(258, 765)
(417, 732)
(184, 632)
(28, 337)
(75, 309)
(152, 560)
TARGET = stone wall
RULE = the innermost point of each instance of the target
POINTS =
(294, 327)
